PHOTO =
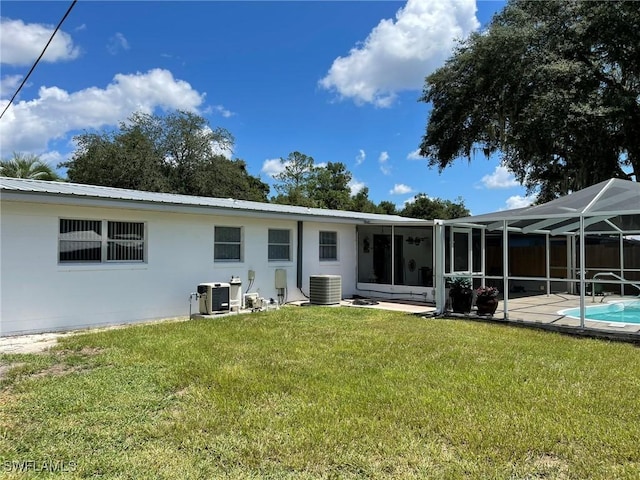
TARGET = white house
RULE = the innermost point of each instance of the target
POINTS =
(81, 255)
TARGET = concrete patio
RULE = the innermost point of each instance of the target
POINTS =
(541, 311)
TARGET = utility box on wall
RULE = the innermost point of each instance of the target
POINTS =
(281, 278)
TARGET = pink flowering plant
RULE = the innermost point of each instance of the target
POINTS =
(487, 292)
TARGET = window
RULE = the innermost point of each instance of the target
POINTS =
(84, 241)
(279, 245)
(227, 244)
(80, 241)
(328, 246)
(125, 241)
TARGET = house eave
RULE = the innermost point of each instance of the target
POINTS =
(239, 209)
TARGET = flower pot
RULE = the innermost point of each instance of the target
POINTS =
(461, 301)
(486, 305)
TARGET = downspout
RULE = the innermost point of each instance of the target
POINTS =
(299, 257)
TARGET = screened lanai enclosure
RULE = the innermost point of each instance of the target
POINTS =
(397, 260)
(586, 243)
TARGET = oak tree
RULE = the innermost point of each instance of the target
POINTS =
(552, 87)
(174, 153)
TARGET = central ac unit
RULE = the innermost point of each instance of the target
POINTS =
(325, 289)
(214, 298)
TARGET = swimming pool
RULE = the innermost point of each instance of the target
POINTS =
(624, 311)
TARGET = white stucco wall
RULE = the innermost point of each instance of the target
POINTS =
(346, 264)
(39, 294)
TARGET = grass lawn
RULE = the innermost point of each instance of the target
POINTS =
(323, 393)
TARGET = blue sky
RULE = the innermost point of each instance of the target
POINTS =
(338, 81)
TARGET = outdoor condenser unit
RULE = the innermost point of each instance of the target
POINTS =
(214, 298)
(325, 289)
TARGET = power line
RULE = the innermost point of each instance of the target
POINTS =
(38, 59)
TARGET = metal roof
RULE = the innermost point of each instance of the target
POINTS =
(612, 206)
(81, 192)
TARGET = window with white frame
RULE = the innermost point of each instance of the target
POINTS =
(98, 241)
(279, 245)
(227, 244)
(328, 246)
(125, 241)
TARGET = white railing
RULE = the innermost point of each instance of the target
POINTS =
(609, 274)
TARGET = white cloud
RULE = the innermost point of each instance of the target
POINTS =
(415, 155)
(400, 189)
(360, 157)
(8, 85)
(355, 186)
(500, 178)
(28, 126)
(218, 149)
(399, 53)
(223, 111)
(272, 167)
(116, 43)
(21, 43)
(410, 200)
(382, 160)
(53, 158)
(517, 201)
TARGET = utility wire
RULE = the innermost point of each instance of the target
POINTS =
(38, 59)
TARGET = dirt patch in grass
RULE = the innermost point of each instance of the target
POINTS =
(550, 466)
(85, 352)
(58, 370)
(4, 369)
(63, 368)
(59, 364)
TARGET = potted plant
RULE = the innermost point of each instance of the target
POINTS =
(461, 294)
(487, 300)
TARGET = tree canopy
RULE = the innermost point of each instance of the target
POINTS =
(321, 186)
(330, 186)
(294, 181)
(428, 208)
(360, 202)
(27, 166)
(174, 153)
(303, 183)
(553, 87)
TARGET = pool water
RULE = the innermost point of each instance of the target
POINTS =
(614, 312)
